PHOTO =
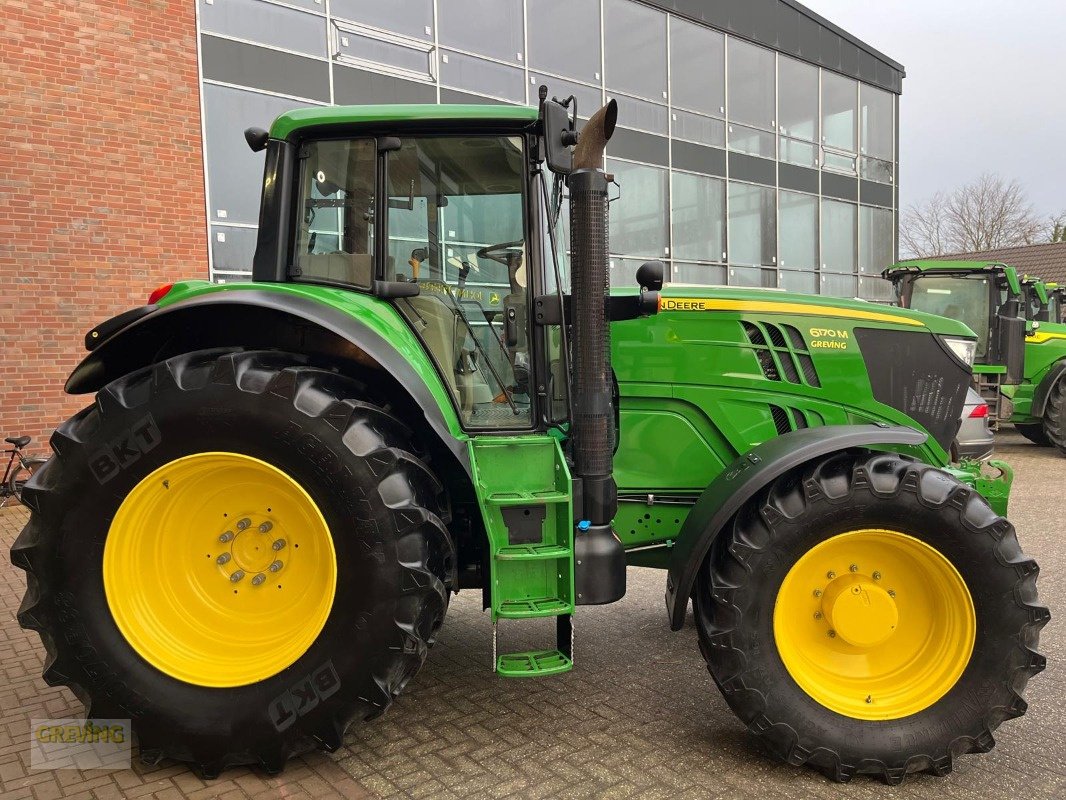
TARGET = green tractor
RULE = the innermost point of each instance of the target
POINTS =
(249, 540)
(1020, 363)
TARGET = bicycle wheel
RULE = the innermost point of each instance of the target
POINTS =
(22, 473)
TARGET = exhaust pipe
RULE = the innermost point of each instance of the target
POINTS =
(600, 571)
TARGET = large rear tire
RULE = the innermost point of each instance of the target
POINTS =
(1055, 416)
(239, 456)
(870, 614)
(1034, 432)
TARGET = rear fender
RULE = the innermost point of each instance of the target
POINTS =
(749, 473)
(1043, 391)
(262, 319)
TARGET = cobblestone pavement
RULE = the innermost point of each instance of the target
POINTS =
(638, 717)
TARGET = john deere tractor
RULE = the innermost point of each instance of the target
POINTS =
(1020, 364)
(249, 540)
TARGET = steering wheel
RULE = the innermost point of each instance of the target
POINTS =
(503, 253)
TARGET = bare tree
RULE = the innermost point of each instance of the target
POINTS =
(984, 215)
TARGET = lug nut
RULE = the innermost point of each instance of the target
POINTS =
(832, 634)
(877, 576)
(869, 699)
(830, 574)
(258, 579)
(817, 592)
(817, 614)
(244, 523)
(265, 527)
(236, 576)
(275, 566)
(222, 559)
(227, 536)
(854, 568)
(891, 592)
(278, 544)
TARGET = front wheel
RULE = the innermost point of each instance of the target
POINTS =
(239, 552)
(870, 614)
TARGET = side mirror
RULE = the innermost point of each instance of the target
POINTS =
(650, 275)
(559, 134)
(257, 138)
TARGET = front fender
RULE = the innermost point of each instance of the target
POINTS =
(273, 319)
(749, 473)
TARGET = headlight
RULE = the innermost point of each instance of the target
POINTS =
(964, 349)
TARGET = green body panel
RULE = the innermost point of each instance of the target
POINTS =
(993, 488)
(694, 396)
(291, 121)
(1044, 348)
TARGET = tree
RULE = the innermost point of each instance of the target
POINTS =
(1058, 228)
(984, 215)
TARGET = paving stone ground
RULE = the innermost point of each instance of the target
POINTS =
(638, 717)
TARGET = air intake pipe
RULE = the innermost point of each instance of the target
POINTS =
(600, 571)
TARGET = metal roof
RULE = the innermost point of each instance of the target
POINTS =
(793, 29)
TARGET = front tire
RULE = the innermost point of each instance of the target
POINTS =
(227, 447)
(914, 677)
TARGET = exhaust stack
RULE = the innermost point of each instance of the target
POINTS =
(600, 572)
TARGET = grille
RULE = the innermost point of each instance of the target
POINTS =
(781, 421)
(782, 354)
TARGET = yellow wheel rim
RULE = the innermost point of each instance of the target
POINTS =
(219, 569)
(874, 624)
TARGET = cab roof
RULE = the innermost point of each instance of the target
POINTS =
(929, 265)
(299, 118)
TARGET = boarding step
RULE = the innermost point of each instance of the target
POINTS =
(504, 499)
(530, 607)
(533, 664)
(538, 663)
(532, 552)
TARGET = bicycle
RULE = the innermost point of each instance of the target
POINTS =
(16, 475)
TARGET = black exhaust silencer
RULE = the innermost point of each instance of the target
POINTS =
(600, 570)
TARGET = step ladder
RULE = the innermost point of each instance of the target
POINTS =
(525, 497)
(999, 407)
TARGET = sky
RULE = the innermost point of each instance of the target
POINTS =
(985, 89)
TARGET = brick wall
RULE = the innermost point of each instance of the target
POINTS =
(101, 183)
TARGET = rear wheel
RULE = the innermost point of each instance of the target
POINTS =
(22, 472)
(240, 553)
(1034, 432)
(1055, 416)
(870, 614)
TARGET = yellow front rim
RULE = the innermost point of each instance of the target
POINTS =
(874, 624)
(219, 569)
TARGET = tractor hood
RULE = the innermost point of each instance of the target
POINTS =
(701, 298)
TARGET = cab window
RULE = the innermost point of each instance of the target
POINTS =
(964, 299)
(335, 240)
(456, 225)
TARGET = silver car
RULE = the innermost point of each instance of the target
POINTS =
(975, 438)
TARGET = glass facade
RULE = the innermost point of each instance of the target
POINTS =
(736, 164)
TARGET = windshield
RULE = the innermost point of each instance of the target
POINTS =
(1032, 302)
(1054, 308)
(965, 299)
(456, 225)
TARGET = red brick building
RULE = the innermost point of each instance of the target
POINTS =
(101, 183)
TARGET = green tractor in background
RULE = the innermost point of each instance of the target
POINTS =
(249, 540)
(1020, 363)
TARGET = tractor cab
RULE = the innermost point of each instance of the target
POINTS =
(1056, 300)
(988, 297)
(1043, 301)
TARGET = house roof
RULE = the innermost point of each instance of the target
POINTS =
(1047, 261)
